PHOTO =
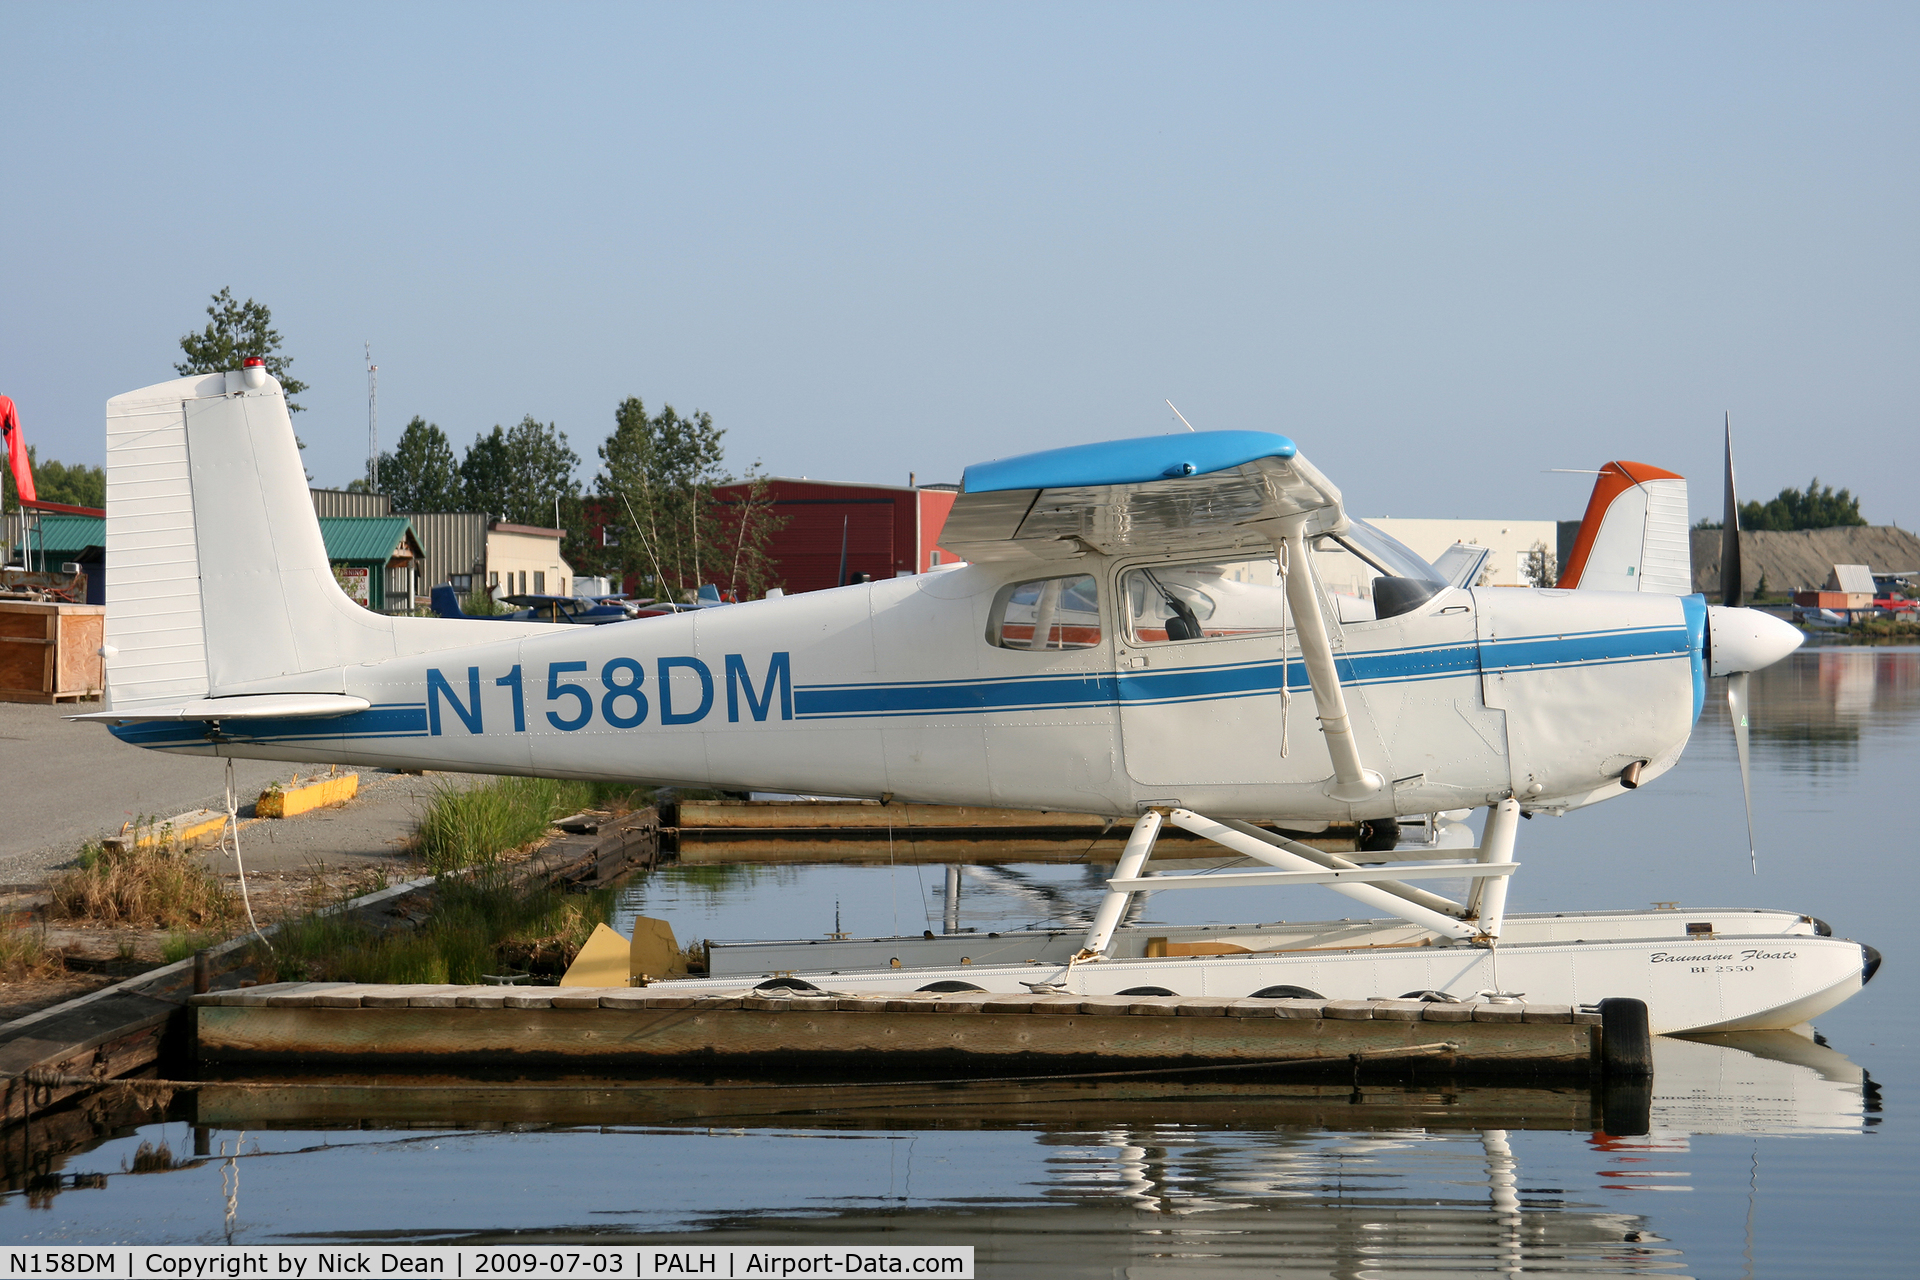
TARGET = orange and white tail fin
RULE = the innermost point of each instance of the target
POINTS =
(1634, 536)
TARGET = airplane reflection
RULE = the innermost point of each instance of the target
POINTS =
(1190, 1178)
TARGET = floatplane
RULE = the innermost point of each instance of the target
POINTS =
(1185, 630)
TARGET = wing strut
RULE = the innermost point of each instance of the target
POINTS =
(1351, 780)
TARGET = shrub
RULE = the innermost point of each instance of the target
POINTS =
(24, 954)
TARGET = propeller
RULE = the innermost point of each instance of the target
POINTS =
(1741, 641)
(1730, 535)
(1737, 708)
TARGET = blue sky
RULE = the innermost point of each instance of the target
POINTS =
(1444, 247)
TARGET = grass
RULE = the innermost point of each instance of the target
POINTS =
(24, 954)
(467, 828)
(179, 945)
(146, 886)
(480, 925)
(1881, 631)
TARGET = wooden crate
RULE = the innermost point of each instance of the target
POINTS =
(50, 652)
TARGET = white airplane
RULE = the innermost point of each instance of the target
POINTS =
(1070, 665)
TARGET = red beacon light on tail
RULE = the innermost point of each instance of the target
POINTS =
(253, 372)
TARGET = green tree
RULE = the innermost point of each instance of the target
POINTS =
(236, 330)
(656, 489)
(78, 485)
(421, 474)
(745, 529)
(1818, 507)
(520, 472)
(483, 473)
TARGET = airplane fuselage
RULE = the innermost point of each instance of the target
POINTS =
(899, 688)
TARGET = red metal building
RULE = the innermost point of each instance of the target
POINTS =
(886, 530)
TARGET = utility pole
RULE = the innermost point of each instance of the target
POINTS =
(373, 422)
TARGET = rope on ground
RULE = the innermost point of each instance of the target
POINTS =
(49, 1078)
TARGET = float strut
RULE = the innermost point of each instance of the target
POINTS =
(1376, 899)
(1490, 892)
(1114, 905)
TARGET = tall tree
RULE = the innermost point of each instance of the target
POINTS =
(519, 473)
(746, 527)
(484, 473)
(421, 474)
(236, 330)
(656, 488)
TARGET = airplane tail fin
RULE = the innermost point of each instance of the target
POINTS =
(1634, 535)
(218, 581)
(446, 602)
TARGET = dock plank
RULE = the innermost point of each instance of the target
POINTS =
(601, 1027)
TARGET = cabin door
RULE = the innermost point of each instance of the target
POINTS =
(1200, 659)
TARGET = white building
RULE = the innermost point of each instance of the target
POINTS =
(1511, 542)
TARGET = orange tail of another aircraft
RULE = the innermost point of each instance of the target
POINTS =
(1634, 535)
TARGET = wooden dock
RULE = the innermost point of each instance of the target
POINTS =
(965, 1033)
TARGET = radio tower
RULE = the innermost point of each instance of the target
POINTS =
(373, 422)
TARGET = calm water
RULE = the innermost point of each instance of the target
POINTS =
(1769, 1156)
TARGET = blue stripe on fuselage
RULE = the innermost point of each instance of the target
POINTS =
(1236, 680)
(388, 720)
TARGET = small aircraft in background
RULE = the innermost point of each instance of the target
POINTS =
(1134, 627)
(533, 608)
(591, 611)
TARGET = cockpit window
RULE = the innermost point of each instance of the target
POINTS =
(1389, 555)
(1049, 613)
(1216, 601)
(1372, 576)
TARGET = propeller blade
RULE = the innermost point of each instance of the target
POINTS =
(1737, 707)
(1730, 534)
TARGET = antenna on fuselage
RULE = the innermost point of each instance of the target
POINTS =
(1182, 417)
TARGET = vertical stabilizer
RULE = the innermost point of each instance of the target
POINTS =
(1634, 535)
(156, 640)
(218, 581)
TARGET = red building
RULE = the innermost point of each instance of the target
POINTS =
(886, 530)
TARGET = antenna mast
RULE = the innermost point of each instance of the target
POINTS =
(373, 422)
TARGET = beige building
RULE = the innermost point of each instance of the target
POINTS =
(525, 560)
(1511, 542)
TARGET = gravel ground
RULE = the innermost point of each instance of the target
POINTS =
(67, 783)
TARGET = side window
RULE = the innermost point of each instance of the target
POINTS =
(1215, 601)
(1050, 613)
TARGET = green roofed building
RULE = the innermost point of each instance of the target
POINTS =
(47, 541)
(377, 560)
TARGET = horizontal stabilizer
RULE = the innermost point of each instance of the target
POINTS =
(1460, 564)
(257, 706)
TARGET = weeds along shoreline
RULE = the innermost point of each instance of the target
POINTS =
(486, 915)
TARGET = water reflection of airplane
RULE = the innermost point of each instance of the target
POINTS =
(1210, 1177)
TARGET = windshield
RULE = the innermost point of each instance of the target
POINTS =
(1388, 554)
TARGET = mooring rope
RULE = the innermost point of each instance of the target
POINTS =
(233, 825)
